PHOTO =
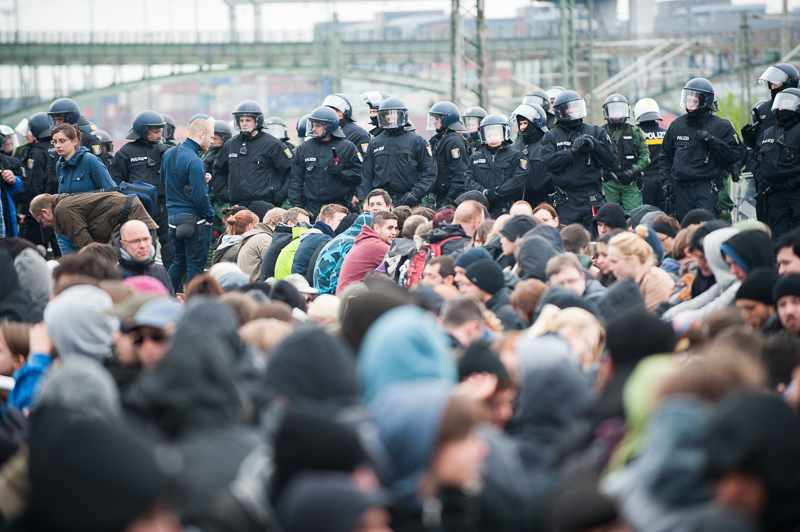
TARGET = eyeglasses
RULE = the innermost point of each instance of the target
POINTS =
(156, 337)
(137, 241)
(60, 141)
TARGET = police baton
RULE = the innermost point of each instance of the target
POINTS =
(614, 177)
(335, 157)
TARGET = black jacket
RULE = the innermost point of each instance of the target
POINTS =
(503, 172)
(778, 150)
(138, 161)
(686, 159)
(130, 268)
(501, 307)
(310, 182)
(281, 236)
(40, 170)
(450, 151)
(539, 179)
(445, 231)
(400, 162)
(355, 134)
(654, 136)
(581, 169)
(259, 174)
(87, 138)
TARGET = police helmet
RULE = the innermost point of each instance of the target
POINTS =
(494, 129)
(199, 116)
(756, 115)
(448, 114)
(7, 132)
(340, 102)
(373, 99)
(276, 126)
(538, 97)
(616, 109)
(104, 139)
(472, 118)
(787, 101)
(66, 108)
(699, 89)
(39, 125)
(646, 110)
(143, 123)
(783, 75)
(169, 126)
(302, 127)
(323, 115)
(223, 129)
(533, 113)
(392, 114)
(553, 92)
(251, 109)
(569, 106)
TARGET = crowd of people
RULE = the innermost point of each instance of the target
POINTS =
(388, 334)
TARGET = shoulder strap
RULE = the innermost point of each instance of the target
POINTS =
(126, 209)
(87, 167)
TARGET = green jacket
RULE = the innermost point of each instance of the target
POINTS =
(639, 142)
(283, 266)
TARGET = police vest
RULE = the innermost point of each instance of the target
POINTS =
(626, 148)
(654, 137)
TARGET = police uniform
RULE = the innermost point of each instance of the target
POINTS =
(88, 139)
(311, 186)
(539, 184)
(355, 134)
(501, 174)
(474, 142)
(632, 154)
(652, 193)
(400, 162)
(451, 152)
(40, 169)
(697, 167)
(779, 170)
(261, 173)
(751, 135)
(579, 175)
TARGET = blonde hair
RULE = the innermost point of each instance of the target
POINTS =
(265, 333)
(578, 327)
(630, 244)
(498, 226)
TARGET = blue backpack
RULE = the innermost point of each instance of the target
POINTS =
(147, 193)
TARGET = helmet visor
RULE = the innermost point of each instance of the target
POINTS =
(553, 92)
(391, 118)
(435, 122)
(371, 99)
(572, 110)
(691, 100)
(617, 111)
(786, 101)
(336, 102)
(24, 127)
(494, 134)
(773, 75)
(318, 128)
(472, 123)
(536, 100)
(277, 130)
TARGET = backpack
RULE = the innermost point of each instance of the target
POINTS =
(416, 266)
(148, 194)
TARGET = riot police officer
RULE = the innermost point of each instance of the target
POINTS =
(531, 121)
(632, 155)
(107, 143)
(354, 133)
(576, 155)
(140, 160)
(497, 170)
(697, 151)
(252, 165)
(553, 92)
(449, 149)
(40, 169)
(66, 110)
(648, 115)
(398, 161)
(168, 137)
(472, 121)
(327, 168)
(276, 126)
(222, 133)
(373, 100)
(540, 98)
(303, 129)
(779, 163)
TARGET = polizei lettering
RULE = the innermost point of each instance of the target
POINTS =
(681, 137)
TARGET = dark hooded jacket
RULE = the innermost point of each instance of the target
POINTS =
(15, 303)
(540, 244)
(281, 236)
(130, 267)
(458, 238)
(364, 310)
(612, 215)
(500, 305)
(750, 249)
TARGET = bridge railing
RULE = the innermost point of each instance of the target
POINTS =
(57, 37)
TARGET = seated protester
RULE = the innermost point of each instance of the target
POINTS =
(538, 246)
(328, 264)
(788, 251)
(378, 200)
(235, 226)
(484, 281)
(87, 218)
(666, 227)
(579, 327)
(525, 298)
(609, 216)
(323, 230)
(454, 236)
(513, 230)
(369, 249)
(576, 240)
(480, 359)
(462, 319)
(281, 236)
(605, 277)
(545, 214)
(152, 329)
(754, 300)
(521, 208)
(688, 269)
(705, 278)
(467, 258)
(787, 301)
(16, 303)
(631, 257)
(137, 254)
(439, 270)
(256, 241)
(565, 270)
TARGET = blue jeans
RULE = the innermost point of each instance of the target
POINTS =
(190, 254)
(65, 244)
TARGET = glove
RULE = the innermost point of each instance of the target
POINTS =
(705, 136)
(410, 199)
(280, 197)
(669, 189)
(492, 197)
(736, 174)
(749, 134)
(335, 171)
(585, 144)
(160, 147)
(627, 177)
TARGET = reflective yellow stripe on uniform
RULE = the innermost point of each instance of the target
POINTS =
(653, 142)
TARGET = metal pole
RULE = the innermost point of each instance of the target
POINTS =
(590, 6)
(257, 20)
(562, 6)
(482, 55)
(743, 53)
(456, 52)
(335, 54)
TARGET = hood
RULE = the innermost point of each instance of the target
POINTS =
(612, 215)
(553, 395)
(551, 234)
(310, 367)
(298, 230)
(446, 230)
(655, 244)
(282, 228)
(363, 310)
(229, 240)
(322, 227)
(534, 253)
(368, 233)
(712, 245)
(259, 229)
(34, 276)
(193, 387)
(750, 249)
(78, 323)
(636, 215)
(408, 417)
(403, 345)
(312, 231)
(15, 303)
(80, 384)
(77, 156)
(623, 296)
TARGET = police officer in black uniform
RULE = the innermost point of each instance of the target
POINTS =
(373, 100)
(779, 163)
(140, 160)
(697, 151)
(398, 161)
(450, 151)
(276, 126)
(252, 165)
(497, 170)
(168, 137)
(531, 121)
(471, 118)
(327, 168)
(354, 133)
(540, 98)
(222, 133)
(576, 155)
(648, 115)
(66, 110)
(107, 144)
(40, 170)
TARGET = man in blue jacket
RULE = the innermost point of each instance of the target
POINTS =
(188, 205)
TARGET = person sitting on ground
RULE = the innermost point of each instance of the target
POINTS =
(137, 255)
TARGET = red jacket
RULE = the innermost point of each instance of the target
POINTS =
(366, 254)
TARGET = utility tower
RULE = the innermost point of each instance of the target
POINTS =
(469, 50)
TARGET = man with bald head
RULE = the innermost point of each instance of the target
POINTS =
(188, 204)
(453, 237)
(137, 255)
